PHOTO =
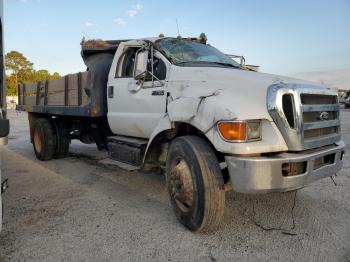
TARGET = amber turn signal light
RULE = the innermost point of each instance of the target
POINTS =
(233, 131)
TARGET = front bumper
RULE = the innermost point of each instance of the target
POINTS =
(264, 174)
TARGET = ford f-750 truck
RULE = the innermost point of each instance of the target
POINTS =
(185, 107)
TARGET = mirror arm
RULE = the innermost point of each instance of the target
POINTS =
(152, 73)
(144, 47)
(153, 76)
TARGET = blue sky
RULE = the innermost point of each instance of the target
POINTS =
(283, 37)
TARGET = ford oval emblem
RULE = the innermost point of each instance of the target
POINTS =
(324, 116)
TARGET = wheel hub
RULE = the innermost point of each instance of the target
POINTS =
(181, 185)
(37, 141)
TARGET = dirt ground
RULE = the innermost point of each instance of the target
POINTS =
(77, 209)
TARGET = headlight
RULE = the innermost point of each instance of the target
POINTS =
(240, 131)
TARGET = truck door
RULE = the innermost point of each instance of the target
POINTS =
(130, 112)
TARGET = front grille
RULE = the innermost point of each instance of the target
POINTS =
(311, 99)
(314, 133)
(307, 116)
(315, 116)
(320, 117)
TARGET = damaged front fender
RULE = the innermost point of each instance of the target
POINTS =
(205, 111)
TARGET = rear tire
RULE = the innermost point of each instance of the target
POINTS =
(63, 139)
(195, 184)
(44, 139)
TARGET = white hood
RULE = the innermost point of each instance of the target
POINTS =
(239, 91)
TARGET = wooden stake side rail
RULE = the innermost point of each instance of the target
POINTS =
(65, 95)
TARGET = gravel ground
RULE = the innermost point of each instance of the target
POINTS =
(77, 209)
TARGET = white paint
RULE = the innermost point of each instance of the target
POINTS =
(133, 113)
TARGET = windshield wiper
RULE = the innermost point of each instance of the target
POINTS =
(207, 62)
(187, 62)
(226, 64)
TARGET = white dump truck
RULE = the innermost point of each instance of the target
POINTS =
(184, 107)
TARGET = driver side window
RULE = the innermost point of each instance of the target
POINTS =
(125, 68)
(159, 69)
(126, 64)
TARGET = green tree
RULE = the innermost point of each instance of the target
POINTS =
(20, 68)
(55, 75)
(43, 75)
(21, 71)
(11, 84)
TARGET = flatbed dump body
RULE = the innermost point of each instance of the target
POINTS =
(81, 94)
(64, 96)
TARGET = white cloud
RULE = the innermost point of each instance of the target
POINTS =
(138, 6)
(27, 1)
(120, 21)
(135, 10)
(131, 13)
(89, 24)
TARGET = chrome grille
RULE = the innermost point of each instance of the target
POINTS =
(312, 118)
(312, 99)
(320, 118)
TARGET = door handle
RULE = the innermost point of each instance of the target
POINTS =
(158, 93)
(110, 91)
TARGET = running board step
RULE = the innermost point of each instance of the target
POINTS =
(122, 165)
(128, 150)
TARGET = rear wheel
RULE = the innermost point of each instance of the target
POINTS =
(195, 183)
(63, 139)
(44, 139)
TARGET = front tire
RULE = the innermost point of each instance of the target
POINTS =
(195, 184)
(44, 139)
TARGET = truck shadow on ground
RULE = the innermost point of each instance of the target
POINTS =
(55, 193)
(269, 211)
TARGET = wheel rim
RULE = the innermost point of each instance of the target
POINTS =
(37, 141)
(181, 185)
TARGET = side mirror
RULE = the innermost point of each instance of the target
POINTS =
(140, 69)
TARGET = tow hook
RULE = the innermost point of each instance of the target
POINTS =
(4, 185)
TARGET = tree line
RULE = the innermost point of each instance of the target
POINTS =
(21, 70)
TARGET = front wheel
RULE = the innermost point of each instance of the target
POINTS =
(195, 184)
